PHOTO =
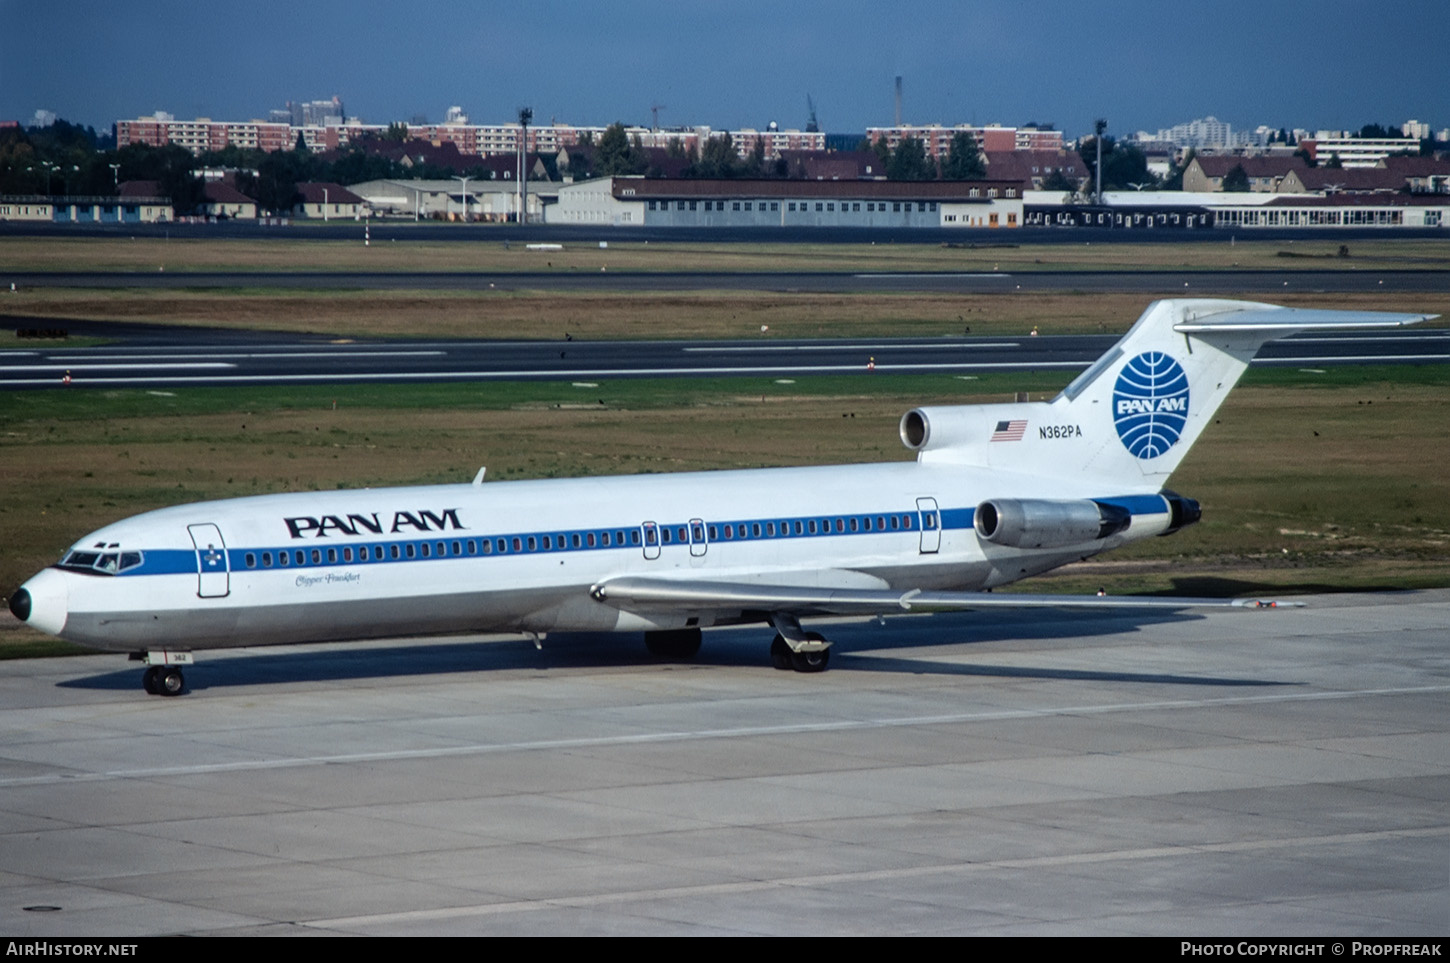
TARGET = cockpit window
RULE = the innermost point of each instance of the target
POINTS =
(103, 561)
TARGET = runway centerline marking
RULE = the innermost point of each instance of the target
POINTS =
(182, 353)
(689, 735)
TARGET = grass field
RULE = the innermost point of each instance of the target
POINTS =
(551, 315)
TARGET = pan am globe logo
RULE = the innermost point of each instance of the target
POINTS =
(1150, 404)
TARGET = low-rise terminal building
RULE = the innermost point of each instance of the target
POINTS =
(657, 202)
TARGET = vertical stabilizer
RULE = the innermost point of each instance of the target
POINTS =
(1129, 419)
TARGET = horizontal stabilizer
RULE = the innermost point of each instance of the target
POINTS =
(1295, 319)
(643, 594)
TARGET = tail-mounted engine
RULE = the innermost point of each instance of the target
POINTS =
(1182, 512)
(1045, 523)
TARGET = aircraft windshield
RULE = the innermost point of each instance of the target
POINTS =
(100, 560)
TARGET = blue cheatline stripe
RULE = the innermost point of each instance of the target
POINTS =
(183, 561)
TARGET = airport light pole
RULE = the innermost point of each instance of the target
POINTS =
(465, 181)
(1099, 127)
(526, 114)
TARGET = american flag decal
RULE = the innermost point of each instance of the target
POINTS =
(1010, 430)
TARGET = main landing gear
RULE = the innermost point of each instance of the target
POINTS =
(163, 673)
(795, 648)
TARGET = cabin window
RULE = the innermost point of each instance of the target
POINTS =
(770, 529)
(487, 547)
(840, 524)
(410, 550)
(472, 547)
(283, 559)
(299, 557)
(604, 539)
(533, 544)
(548, 543)
(251, 560)
(811, 526)
(729, 532)
(393, 550)
(574, 540)
(266, 559)
(633, 537)
(362, 553)
(518, 545)
(906, 522)
(755, 530)
(347, 554)
(855, 524)
(880, 523)
(425, 549)
(458, 548)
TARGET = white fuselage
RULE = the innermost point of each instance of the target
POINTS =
(522, 556)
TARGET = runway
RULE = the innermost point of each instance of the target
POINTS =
(188, 357)
(1150, 283)
(1240, 773)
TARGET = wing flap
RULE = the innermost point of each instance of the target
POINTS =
(646, 594)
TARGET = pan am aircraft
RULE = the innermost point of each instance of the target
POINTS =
(997, 493)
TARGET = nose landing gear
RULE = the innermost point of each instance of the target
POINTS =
(163, 671)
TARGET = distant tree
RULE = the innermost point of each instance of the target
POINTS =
(1236, 181)
(757, 158)
(301, 142)
(397, 132)
(614, 155)
(718, 159)
(1308, 158)
(1122, 166)
(1058, 181)
(1334, 163)
(909, 162)
(1174, 181)
(964, 159)
(1378, 132)
(675, 147)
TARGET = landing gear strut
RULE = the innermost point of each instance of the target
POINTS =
(163, 673)
(795, 648)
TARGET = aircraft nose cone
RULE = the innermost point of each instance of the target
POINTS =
(42, 602)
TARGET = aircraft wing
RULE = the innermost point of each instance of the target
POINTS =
(657, 594)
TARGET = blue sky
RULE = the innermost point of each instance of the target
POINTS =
(1143, 65)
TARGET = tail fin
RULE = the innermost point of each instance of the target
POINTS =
(1131, 417)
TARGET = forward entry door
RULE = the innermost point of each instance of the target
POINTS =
(213, 570)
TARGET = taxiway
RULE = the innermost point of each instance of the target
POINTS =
(1236, 773)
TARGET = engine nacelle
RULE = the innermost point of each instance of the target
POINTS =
(943, 426)
(1045, 523)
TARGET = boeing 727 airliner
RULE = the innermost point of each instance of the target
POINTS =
(997, 493)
